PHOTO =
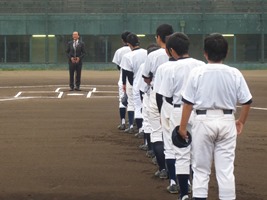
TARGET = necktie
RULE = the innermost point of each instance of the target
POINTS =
(74, 46)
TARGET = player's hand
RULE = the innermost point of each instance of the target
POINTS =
(239, 127)
(77, 59)
(183, 133)
(124, 88)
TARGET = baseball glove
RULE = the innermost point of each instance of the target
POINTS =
(124, 100)
(178, 141)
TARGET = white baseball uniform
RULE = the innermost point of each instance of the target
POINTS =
(143, 87)
(162, 74)
(131, 62)
(117, 60)
(153, 61)
(215, 89)
(172, 85)
(136, 93)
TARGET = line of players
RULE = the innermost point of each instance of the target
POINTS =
(154, 80)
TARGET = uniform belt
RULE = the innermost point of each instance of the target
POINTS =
(204, 112)
(177, 105)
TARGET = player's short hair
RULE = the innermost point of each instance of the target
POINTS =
(179, 42)
(133, 40)
(216, 47)
(152, 47)
(164, 30)
(124, 35)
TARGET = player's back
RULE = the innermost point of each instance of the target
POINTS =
(218, 86)
(153, 61)
(119, 54)
(180, 76)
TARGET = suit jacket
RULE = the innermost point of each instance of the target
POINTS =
(79, 52)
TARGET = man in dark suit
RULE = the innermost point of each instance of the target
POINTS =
(75, 53)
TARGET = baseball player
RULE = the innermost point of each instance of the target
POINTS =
(213, 91)
(130, 64)
(117, 60)
(152, 62)
(164, 110)
(172, 85)
(144, 92)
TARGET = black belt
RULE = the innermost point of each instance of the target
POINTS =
(177, 105)
(204, 112)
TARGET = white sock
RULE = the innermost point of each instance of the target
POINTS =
(123, 121)
(172, 182)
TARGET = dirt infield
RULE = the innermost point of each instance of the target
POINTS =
(61, 145)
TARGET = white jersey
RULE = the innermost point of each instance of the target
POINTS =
(216, 86)
(119, 54)
(153, 61)
(161, 74)
(175, 77)
(131, 61)
(138, 81)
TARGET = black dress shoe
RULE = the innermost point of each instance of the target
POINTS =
(71, 89)
(77, 89)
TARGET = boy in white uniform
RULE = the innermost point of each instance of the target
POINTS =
(130, 64)
(117, 60)
(172, 85)
(165, 110)
(213, 91)
(144, 92)
(153, 61)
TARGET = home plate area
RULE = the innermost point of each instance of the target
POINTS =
(100, 91)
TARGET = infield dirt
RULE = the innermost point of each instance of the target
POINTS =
(69, 148)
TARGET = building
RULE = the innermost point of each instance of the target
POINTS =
(34, 32)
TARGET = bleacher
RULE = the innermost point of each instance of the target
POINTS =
(129, 6)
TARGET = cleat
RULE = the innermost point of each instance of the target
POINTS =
(173, 189)
(122, 127)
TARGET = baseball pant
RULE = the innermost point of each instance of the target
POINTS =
(165, 114)
(121, 92)
(129, 92)
(182, 155)
(137, 103)
(154, 119)
(214, 137)
(146, 124)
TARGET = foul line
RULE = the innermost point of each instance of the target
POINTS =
(258, 108)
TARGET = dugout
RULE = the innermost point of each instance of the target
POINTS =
(33, 33)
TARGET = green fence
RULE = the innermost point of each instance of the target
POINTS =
(35, 32)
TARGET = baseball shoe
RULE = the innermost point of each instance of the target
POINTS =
(173, 189)
(161, 174)
(185, 197)
(143, 147)
(154, 160)
(122, 127)
(129, 130)
(140, 135)
(150, 154)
